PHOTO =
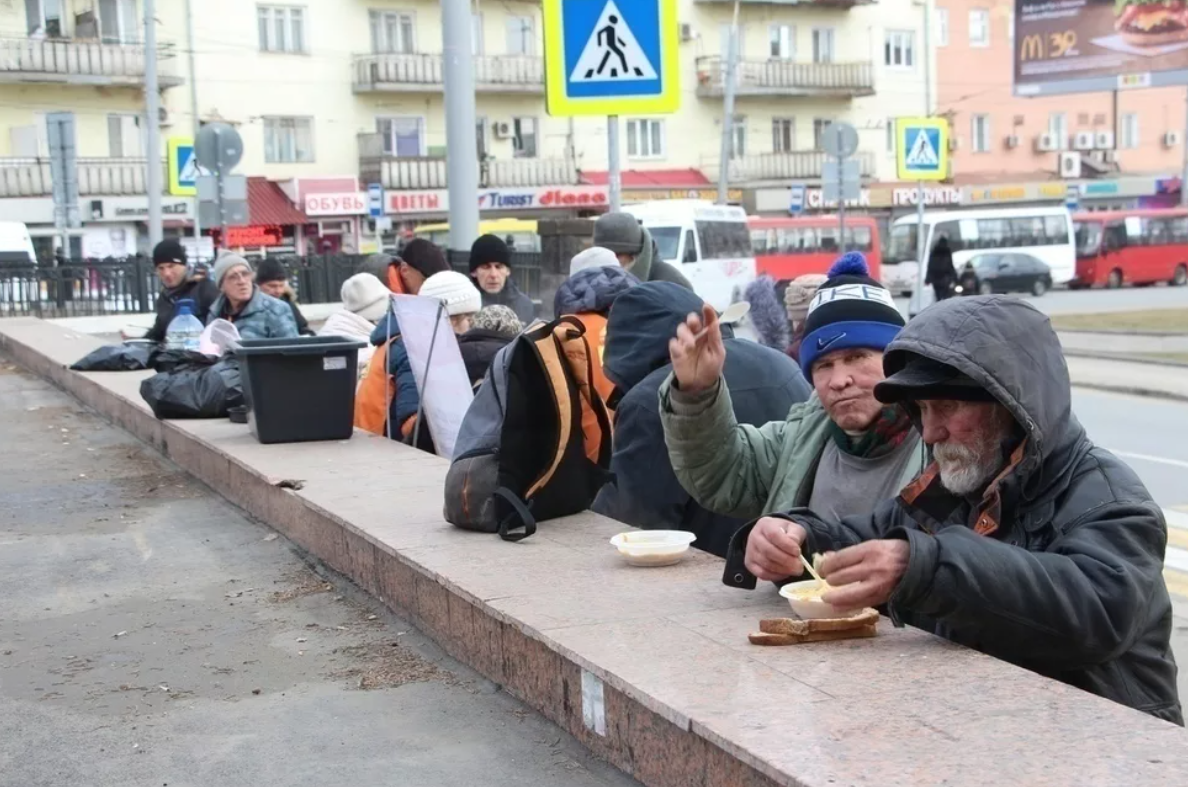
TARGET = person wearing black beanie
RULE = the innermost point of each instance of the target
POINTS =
(273, 280)
(491, 269)
(179, 282)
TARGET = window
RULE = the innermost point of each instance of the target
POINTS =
(899, 49)
(783, 42)
(823, 45)
(979, 27)
(476, 33)
(1130, 130)
(123, 136)
(783, 135)
(118, 22)
(524, 137)
(45, 17)
(288, 140)
(819, 126)
(1058, 128)
(974, 234)
(520, 38)
(723, 239)
(404, 137)
(738, 137)
(645, 138)
(979, 133)
(392, 32)
(282, 28)
(942, 26)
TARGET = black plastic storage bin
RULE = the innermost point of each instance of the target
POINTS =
(300, 389)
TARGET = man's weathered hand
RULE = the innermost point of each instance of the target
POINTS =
(864, 575)
(697, 361)
(773, 549)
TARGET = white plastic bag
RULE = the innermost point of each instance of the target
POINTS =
(218, 338)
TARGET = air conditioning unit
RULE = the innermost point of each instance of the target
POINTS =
(1070, 164)
(687, 33)
(501, 129)
(1012, 141)
(164, 119)
(1045, 143)
(1111, 156)
(1083, 140)
(1171, 139)
(1103, 140)
(954, 143)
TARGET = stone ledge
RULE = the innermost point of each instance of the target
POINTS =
(688, 702)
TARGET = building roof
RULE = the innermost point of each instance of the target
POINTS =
(267, 204)
(651, 178)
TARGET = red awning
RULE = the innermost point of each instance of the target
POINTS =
(652, 178)
(268, 205)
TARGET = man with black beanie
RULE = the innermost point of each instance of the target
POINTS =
(490, 267)
(179, 282)
(273, 279)
(404, 274)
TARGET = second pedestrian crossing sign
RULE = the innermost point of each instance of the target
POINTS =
(922, 148)
(611, 57)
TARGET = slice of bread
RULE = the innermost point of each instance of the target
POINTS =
(789, 631)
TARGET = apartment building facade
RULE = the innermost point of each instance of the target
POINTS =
(330, 95)
(1128, 140)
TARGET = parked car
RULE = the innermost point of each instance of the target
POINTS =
(990, 273)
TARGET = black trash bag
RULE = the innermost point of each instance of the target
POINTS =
(163, 360)
(195, 391)
(117, 358)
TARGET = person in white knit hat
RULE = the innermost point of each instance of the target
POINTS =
(461, 298)
(365, 301)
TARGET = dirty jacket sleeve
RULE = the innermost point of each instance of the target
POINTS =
(727, 467)
(407, 399)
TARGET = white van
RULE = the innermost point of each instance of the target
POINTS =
(18, 282)
(16, 247)
(710, 244)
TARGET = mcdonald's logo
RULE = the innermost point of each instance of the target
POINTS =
(1032, 48)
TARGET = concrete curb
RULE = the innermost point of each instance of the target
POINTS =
(1123, 331)
(1125, 358)
(1133, 391)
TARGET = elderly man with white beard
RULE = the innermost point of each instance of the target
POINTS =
(1022, 539)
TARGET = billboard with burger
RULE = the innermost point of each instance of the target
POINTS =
(1082, 46)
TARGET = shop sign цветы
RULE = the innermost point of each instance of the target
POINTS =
(534, 198)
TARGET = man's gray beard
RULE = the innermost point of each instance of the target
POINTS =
(965, 470)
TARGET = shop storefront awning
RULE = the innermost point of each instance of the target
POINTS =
(269, 205)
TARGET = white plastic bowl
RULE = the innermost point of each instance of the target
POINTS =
(811, 607)
(653, 548)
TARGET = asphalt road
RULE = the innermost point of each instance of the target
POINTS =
(1095, 301)
(152, 635)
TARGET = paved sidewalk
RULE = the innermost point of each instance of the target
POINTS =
(1145, 379)
(151, 634)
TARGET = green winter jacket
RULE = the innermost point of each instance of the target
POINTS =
(747, 471)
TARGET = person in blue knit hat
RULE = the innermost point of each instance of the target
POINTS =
(842, 451)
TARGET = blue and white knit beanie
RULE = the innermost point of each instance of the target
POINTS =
(849, 310)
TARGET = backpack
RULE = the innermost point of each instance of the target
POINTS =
(536, 442)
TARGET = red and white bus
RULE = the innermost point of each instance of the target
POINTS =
(790, 246)
(1131, 247)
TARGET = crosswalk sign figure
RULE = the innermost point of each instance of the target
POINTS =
(922, 148)
(609, 57)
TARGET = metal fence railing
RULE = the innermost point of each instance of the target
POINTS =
(88, 288)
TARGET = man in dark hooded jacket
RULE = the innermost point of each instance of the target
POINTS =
(645, 492)
(1023, 539)
(635, 248)
(941, 273)
(179, 281)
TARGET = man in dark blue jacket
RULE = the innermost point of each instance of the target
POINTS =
(645, 492)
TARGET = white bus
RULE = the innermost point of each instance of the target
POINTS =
(1046, 233)
(710, 244)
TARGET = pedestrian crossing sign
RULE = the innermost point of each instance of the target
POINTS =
(922, 148)
(183, 167)
(611, 57)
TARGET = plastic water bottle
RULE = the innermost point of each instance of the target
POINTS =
(184, 329)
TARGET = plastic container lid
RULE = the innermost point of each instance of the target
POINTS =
(299, 345)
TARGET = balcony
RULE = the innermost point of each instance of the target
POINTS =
(425, 74)
(786, 78)
(82, 62)
(429, 172)
(787, 3)
(796, 165)
(30, 177)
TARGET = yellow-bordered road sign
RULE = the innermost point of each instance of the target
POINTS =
(922, 148)
(183, 167)
(611, 57)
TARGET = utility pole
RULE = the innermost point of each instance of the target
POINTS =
(728, 109)
(614, 172)
(152, 135)
(461, 138)
(1184, 174)
(197, 123)
(921, 241)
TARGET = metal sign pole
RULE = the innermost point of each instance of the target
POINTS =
(921, 250)
(614, 174)
(841, 205)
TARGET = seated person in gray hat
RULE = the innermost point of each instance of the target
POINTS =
(254, 314)
(1022, 539)
(637, 252)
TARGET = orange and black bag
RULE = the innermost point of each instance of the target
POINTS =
(536, 442)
